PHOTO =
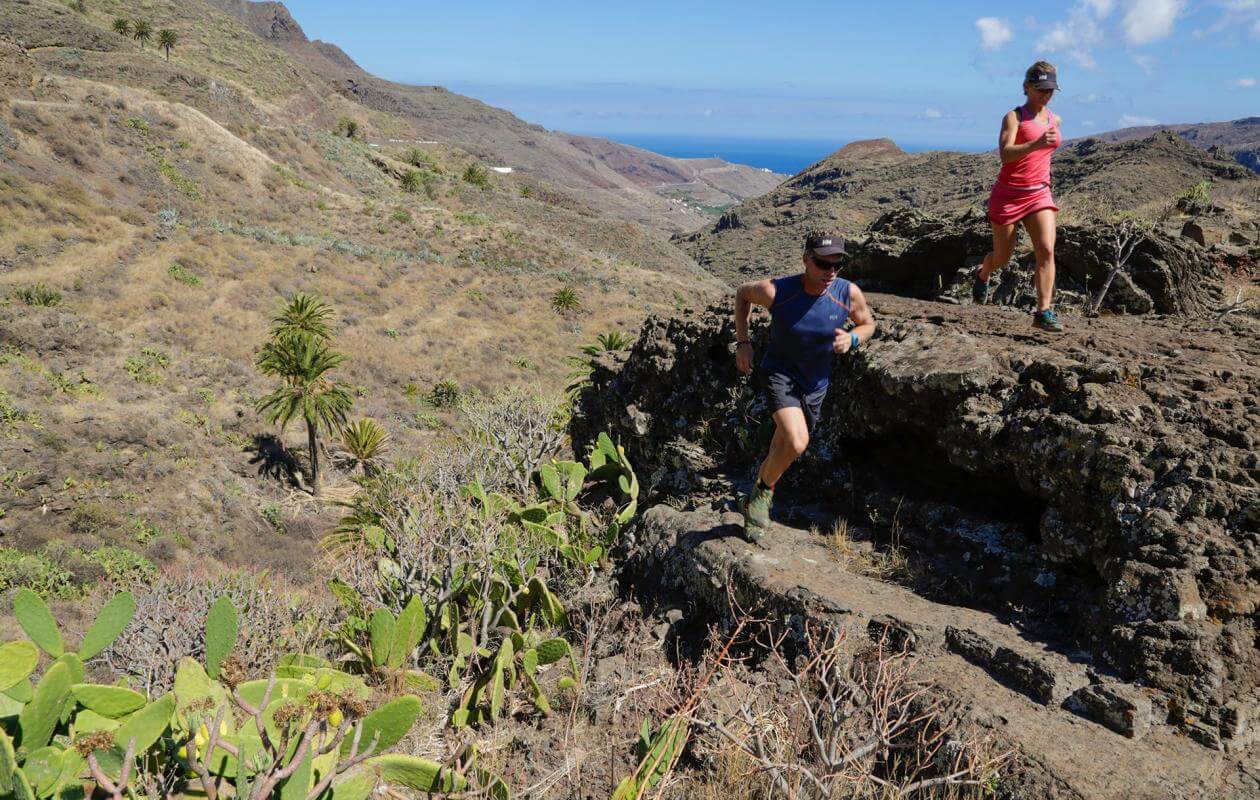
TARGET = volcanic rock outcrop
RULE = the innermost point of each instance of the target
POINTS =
(1103, 486)
(912, 253)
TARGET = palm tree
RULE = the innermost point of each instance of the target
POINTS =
(121, 26)
(141, 31)
(304, 314)
(365, 441)
(303, 362)
(167, 40)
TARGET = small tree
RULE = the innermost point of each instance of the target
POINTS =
(1126, 231)
(303, 363)
(298, 354)
(121, 26)
(141, 31)
(166, 40)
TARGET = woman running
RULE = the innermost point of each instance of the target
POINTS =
(1030, 135)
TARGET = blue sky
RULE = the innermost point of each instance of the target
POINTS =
(921, 73)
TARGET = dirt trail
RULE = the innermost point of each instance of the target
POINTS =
(1021, 695)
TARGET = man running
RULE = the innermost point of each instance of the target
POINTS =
(808, 315)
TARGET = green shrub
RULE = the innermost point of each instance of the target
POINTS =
(122, 566)
(183, 274)
(444, 394)
(476, 175)
(148, 366)
(402, 215)
(38, 295)
(1197, 198)
(565, 301)
(348, 127)
(34, 571)
(418, 158)
(92, 518)
(274, 516)
(11, 416)
(527, 191)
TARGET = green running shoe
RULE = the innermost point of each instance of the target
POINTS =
(981, 291)
(757, 513)
(1047, 321)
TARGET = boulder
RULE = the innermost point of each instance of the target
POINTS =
(1121, 457)
(914, 254)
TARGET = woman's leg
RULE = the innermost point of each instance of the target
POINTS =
(1041, 229)
(1000, 255)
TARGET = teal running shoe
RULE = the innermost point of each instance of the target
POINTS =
(981, 291)
(1047, 321)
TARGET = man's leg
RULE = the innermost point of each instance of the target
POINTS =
(791, 437)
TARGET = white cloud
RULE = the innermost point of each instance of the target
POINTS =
(994, 32)
(1089, 124)
(1133, 121)
(1101, 8)
(1255, 29)
(1145, 62)
(933, 113)
(1243, 83)
(1147, 21)
(1076, 36)
(1089, 99)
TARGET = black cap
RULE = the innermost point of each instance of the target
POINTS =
(824, 244)
(1043, 79)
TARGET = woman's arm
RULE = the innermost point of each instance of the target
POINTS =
(1009, 151)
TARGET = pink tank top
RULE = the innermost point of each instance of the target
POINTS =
(1033, 170)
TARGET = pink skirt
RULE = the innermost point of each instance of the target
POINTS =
(1010, 204)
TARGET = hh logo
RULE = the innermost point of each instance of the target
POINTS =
(834, 317)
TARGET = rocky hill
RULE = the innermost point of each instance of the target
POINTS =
(316, 82)
(708, 182)
(1240, 137)
(851, 188)
(154, 214)
(1066, 528)
(498, 136)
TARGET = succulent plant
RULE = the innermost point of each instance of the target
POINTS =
(301, 734)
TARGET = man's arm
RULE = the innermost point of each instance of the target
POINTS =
(761, 293)
(863, 322)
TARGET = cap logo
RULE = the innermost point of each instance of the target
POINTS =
(826, 242)
(1042, 77)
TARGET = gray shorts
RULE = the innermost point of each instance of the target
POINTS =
(782, 391)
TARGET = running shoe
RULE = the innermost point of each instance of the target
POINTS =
(981, 291)
(1047, 321)
(756, 510)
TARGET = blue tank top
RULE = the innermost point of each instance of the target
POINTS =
(803, 328)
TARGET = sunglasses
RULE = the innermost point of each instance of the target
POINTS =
(827, 265)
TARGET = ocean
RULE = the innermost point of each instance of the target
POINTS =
(787, 156)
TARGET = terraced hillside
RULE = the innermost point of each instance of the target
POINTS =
(153, 216)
